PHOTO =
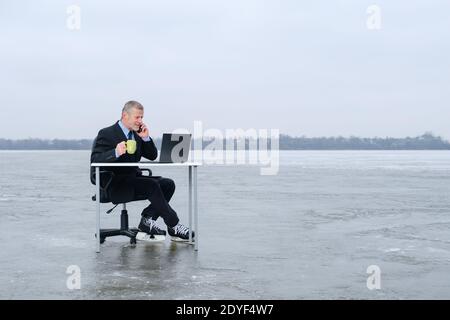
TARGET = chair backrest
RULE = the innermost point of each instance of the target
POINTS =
(92, 169)
(105, 179)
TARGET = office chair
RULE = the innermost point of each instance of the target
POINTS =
(105, 180)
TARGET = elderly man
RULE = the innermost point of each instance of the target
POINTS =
(128, 182)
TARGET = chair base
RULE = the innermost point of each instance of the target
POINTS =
(123, 231)
(131, 233)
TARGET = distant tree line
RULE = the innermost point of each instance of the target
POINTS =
(427, 141)
(45, 144)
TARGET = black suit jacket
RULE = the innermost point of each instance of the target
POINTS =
(121, 188)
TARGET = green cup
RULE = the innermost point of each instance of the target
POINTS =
(131, 146)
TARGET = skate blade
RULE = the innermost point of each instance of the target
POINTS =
(176, 239)
(142, 236)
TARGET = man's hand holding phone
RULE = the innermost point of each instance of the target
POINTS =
(143, 131)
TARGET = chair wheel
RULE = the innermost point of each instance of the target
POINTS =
(133, 240)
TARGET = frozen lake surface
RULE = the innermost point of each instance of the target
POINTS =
(309, 232)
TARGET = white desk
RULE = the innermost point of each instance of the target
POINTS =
(193, 204)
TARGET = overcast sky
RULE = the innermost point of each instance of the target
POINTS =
(304, 67)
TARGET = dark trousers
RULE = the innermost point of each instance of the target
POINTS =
(158, 191)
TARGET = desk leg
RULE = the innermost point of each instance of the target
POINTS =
(195, 210)
(97, 184)
(190, 204)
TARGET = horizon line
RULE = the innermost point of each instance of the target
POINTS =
(427, 133)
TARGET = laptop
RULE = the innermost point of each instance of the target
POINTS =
(175, 147)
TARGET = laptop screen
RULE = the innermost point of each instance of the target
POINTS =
(175, 147)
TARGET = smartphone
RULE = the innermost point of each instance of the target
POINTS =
(140, 129)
